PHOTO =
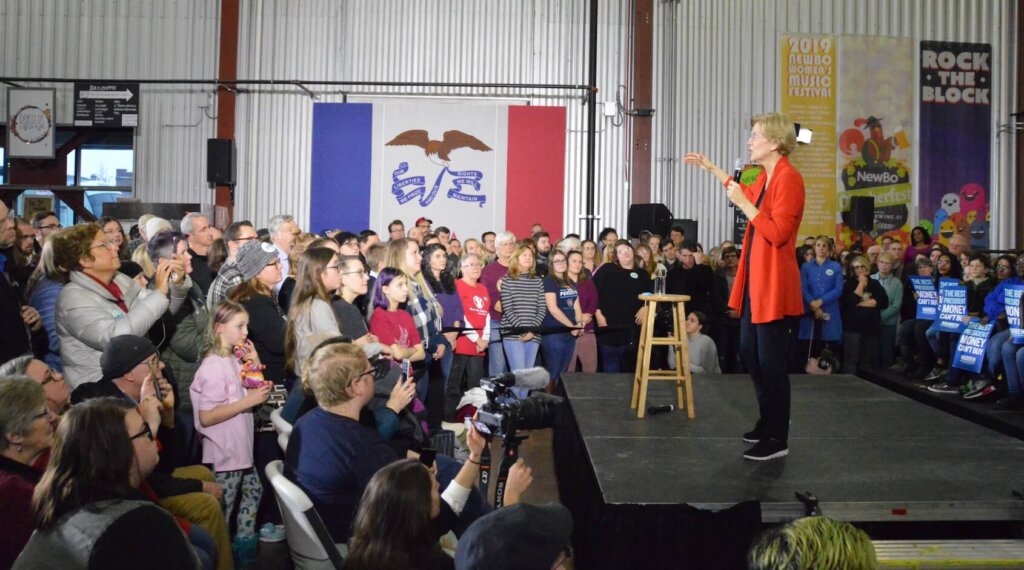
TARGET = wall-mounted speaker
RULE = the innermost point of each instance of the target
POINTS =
(220, 162)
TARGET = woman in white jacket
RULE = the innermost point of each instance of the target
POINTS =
(99, 303)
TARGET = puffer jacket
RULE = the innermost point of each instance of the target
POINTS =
(181, 344)
(88, 317)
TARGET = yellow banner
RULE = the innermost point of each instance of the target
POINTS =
(808, 97)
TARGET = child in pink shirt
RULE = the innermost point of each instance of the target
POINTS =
(222, 409)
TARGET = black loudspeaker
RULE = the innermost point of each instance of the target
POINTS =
(220, 162)
(689, 229)
(655, 218)
(862, 213)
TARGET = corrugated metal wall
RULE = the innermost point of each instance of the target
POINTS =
(138, 39)
(702, 49)
(707, 49)
(496, 41)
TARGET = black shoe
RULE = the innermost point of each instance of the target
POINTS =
(767, 448)
(755, 435)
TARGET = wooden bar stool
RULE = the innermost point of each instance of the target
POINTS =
(676, 342)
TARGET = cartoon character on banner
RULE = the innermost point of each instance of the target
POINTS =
(439, 153)
(873, 165)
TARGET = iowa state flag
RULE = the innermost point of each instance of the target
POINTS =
(472, 167)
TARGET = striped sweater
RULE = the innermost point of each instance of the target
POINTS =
(522, 302)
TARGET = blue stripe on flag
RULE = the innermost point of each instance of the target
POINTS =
(341, 166)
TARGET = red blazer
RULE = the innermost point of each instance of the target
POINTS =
(775, 284)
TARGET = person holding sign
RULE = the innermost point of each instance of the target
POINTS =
(915, 354)
(763, 292)
(1002, 307)
(863, 301)
(978, 287)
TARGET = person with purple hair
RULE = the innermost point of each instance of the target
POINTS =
(394, 327)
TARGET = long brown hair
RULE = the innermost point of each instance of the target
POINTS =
(91, 460)
(308, 287)
(248, 289)
(391, 529)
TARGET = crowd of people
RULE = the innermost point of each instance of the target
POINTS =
(135, 367)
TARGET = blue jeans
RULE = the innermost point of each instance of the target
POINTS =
(520, 354)
(495, 351)
(203, 546)
(1011, 357)
(611, 356)
(994, 352)
(557, 351)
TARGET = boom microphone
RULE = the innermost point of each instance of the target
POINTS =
(535, 378)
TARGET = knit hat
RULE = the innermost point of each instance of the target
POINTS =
(516, 537)
(253, 256)
(123, 353)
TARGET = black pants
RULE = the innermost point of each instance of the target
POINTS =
(466, 374)
(763, 349)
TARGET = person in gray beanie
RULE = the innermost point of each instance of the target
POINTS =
(252, 257)
(520, 537)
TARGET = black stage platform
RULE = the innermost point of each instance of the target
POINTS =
(679, 490)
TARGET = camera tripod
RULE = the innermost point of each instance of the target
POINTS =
(509, 456)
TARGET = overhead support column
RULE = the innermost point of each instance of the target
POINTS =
(641, 88)
(227, 70)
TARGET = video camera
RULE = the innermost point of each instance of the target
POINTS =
(505, 411)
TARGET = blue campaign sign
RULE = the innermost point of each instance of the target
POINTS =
(952, 306)
(1012, 298)
(970, 349)
(927, 297)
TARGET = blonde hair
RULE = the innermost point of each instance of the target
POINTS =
(331, 370)
(513, 262)
(814, 542)
(225, 311)
(779, 129)
(650, 264)
(141, 256)
(395, 257)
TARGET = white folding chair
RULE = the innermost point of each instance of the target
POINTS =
(310, 544)
(283, 428)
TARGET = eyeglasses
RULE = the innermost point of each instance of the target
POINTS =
(858, 267)
(1002, 268)
(943, 262)
(357, 272)
(246, 238)
(51, 227)
(755, 136)
(274, 263)
(52, 376)
(146, 432)
(472, 265)
(335, 267)
(559, 261)
(109, 244)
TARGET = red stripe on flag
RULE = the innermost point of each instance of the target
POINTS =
(536, 169)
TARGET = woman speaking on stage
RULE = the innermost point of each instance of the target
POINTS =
(767, 288)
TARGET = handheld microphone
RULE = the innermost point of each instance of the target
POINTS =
(535, 378)
(660, 409)
(736, 173)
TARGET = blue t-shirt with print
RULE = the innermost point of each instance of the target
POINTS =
(565, 297)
